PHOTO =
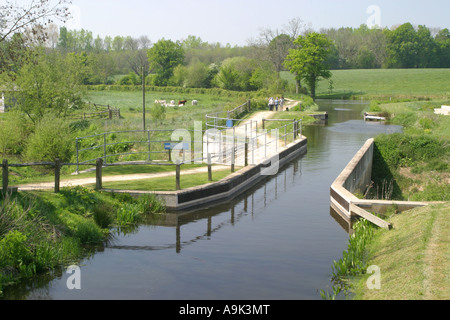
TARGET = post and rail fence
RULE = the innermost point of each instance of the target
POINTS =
(105, 112)
(230, 145)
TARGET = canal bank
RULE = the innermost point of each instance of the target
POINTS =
(275, 240)
(227, 188)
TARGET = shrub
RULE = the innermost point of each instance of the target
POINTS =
(130, 79)
(52, 139)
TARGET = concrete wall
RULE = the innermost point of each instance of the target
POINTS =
(225, 189)
(356, 177)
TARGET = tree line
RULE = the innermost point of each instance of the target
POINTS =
(44, 48)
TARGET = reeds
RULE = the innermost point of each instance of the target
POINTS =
(353, 261)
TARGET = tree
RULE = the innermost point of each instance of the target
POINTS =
(235, 74)
(15, 18)
(403, 47)
(50, 83)
(278, 49)
(163, 57)
(197, 75)
(443, 43)
(308, 59)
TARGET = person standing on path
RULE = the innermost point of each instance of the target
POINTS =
(277, 101)
(271, 103)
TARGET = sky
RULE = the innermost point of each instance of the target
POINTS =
(237, 21)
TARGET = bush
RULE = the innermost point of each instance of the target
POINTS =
(52, 139)
(404, 150)
(130, 79)
(13, 133)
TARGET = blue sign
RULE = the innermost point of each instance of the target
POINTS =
(229, 123)
(172, 145)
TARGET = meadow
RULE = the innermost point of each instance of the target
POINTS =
(395, 83)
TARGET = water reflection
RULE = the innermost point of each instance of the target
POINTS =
(216, 217)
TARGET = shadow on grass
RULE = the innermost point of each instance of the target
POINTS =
(384, 185)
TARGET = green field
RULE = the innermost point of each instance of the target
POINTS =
(385, 82)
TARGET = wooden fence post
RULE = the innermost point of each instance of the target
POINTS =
(98, 174)
(293, 130)
(57, 174)
(5, 176)
(209, 168)
(177, 178)
(246, 152)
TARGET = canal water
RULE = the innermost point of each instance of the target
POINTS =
(276, 241)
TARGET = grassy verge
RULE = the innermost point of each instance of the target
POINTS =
(413, 257)
(168, 183)
(42, 231)
(35, 176)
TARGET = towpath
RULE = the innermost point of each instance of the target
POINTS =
(130, 177)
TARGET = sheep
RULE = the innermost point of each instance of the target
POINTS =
(194, 102)
(181, 102)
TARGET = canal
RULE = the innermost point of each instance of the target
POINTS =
(276, 241)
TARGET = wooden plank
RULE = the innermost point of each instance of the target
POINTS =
(370, 217)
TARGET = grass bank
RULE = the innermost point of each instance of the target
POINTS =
(413, 257)
(43, 231)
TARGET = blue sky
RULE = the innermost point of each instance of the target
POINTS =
(236, 21)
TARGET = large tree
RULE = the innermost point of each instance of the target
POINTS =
(163, 57)
(308, 59)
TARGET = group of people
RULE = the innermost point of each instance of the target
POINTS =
(275, 103)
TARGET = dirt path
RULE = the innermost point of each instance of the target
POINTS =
(126, 177)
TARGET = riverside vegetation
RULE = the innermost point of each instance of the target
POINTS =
(64, 240)
(413, 257)
(41, 231)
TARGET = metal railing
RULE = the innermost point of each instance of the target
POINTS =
(225, 140)
(232, 145)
